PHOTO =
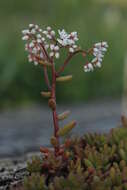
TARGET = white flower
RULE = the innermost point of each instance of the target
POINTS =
(31, 45)
(74, 46)
(43, 39)
(30, 58)
(68, 40)
(57, 55)
(40, 30)
(71, 50)
(46, 46)
(52, 33)
(48, 28)
(98, 64)
(36, 27)
(25, 32)
(52, 46)
(98, 44)
(49, 36)
(51, 54)
(33, 31)
(74, 36)
(45, 32)
(39, 41)
(63, 34)
(25, 38)
(56, 48)
(94, 60)
(35, 63)
(39, 36)
(31, 25)
(35, 50)
(88, 67)
(105, 44)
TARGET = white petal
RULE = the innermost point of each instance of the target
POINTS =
(52, 46)
(74, 46)
(98, 44)
(98, 64)
(25, 38)
(43, 39)
(100, 59)
(105, 44)
(57, 55)
(35, 63)
(31, 25)
(31, 45)
(90, 66)
(95, 49)
(71, 50)
(60, 41)
(33, 31)
(51, 54)
(49, 36)
(48, 28)
(52, 33)
(40, 30)
(46, 46)
(45, 32)
(39, 36)
(104, 49)
(94, 60)
(30, 58)
(39, 41)
(36, 27)
(56, 48)
(25, 32)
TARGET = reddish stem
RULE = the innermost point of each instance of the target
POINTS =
(46, 77)
(45, 68)
(55, 118)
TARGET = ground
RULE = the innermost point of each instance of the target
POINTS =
(26, 129)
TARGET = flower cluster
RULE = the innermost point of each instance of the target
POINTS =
(68, 40)
(43, 45)
(98, 51)
(35, 43)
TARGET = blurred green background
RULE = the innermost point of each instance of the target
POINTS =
(94, 20)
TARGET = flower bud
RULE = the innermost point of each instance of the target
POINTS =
(52, 104)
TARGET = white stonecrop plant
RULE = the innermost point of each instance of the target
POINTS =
(44, 47)
(38, 39)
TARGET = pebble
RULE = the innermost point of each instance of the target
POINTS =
(13, 171)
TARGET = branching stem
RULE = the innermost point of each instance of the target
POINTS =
(68, 59)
